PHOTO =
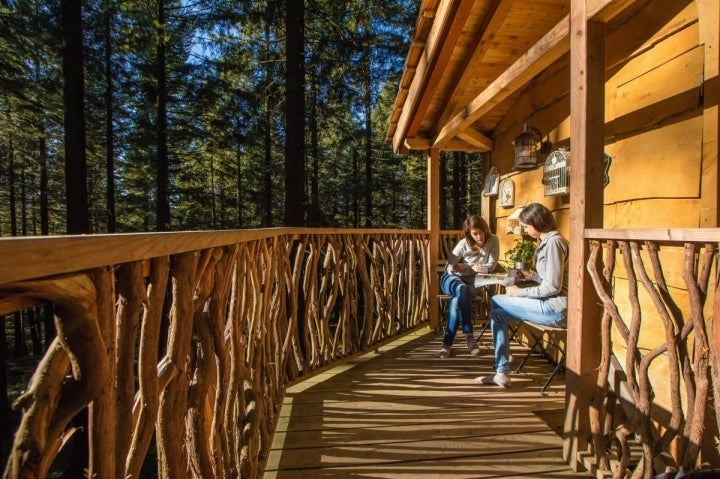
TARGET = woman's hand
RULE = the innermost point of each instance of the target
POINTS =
(478, 268)
(511, 290)
(457, 267)
(523, 274)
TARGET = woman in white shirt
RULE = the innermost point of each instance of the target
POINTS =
(476, 253)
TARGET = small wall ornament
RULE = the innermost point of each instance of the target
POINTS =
(491, 182)
(513, 226)
(507, 193)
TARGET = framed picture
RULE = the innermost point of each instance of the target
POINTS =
(492, 182)
(506, 194)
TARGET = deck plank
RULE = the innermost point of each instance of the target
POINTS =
(403, 412)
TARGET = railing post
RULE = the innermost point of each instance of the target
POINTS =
(433, 220)
(587, 110)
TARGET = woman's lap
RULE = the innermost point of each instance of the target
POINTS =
(526, 309)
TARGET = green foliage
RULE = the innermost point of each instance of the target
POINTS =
(522, 251)
(224, 64)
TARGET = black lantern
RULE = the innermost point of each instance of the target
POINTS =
(527, 145)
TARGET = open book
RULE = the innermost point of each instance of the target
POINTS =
(484, 279)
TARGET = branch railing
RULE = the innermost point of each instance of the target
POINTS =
(648, 281)
(188, 340)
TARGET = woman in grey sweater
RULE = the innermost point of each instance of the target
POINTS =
(545, 303)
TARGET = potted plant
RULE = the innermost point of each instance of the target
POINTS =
(520, 256)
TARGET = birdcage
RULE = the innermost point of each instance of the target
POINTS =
(491, 182)
(556, 172)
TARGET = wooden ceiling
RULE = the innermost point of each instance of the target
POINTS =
(467, 61)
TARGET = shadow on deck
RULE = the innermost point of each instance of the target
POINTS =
(404, 413)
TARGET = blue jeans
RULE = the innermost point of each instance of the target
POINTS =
(506, 309)
(460, 307)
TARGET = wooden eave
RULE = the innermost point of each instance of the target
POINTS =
(470, 59)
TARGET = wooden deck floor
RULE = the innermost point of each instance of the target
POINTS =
(404, 413)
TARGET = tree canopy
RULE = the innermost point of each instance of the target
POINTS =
(195, 117)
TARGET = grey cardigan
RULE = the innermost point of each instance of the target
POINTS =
(551, 272)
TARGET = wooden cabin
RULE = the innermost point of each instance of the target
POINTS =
(624, 94)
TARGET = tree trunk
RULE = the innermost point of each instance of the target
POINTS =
(44, 205)
(315, 216)
(444, 220)
(367, 100)
(162, 206)
(295, 114)
(20, 346)
(74, 100)
(11, 189)
(457, 198)
(267, 133)
(4, 402)
(109, 119)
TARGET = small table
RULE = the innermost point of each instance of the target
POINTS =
(485, 279)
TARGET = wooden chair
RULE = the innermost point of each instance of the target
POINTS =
(544, 339)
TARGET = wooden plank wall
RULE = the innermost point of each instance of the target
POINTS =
(657, 131)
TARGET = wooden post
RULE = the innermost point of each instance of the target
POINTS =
(433, 224)
(709, 23)
(587, 113)
(709, 29)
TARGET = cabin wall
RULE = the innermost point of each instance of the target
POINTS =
(654, 130)
(657, 132)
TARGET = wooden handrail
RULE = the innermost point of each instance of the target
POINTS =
(248, 312)
(36, 256)
(658, 235)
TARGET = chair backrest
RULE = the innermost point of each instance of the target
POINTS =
(440, 266)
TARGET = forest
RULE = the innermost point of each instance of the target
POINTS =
(169, 115)
(181, 115)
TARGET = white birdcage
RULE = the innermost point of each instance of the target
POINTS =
(556, 172)
(491, 182)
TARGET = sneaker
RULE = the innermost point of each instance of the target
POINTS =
(500, 379)
(472, 345)
(444, 352)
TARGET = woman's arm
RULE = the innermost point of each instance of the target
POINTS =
(550, 269)
(455, 264)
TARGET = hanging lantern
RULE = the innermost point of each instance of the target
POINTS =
(527, 145)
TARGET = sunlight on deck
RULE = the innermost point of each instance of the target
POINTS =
(404, 413)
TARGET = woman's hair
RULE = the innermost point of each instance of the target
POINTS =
(473, 222)
(539, 217)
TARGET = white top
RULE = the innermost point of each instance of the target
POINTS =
(485, 256)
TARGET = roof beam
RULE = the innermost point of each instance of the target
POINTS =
(476, 139)
(493, 21)
(430, 68)
(547, 50)
(606, 10)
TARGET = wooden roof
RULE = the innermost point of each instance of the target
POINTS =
(468, 61)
